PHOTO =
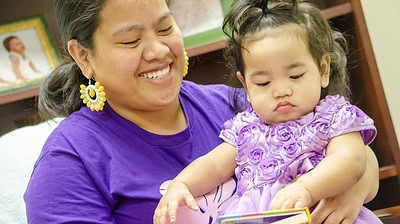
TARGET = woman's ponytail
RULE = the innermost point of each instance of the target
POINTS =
(59, 93)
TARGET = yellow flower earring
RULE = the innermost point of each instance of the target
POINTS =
(93, 96)
(185, 71)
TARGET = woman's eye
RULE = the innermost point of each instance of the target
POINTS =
(164, 31)
(296, 76)
(263, 83)
(131, 43)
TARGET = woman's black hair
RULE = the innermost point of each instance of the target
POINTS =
(59, 93)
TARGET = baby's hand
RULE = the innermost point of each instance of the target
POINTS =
(177, 194)
(294, 195)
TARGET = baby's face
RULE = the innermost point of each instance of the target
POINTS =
(282, 80)
(16, 45)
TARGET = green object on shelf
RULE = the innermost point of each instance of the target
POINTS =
(210, 35)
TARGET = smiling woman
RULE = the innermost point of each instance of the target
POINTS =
(108, 166)
(116, 159)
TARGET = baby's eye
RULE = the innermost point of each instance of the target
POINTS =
(263, 83)
(166, 31)
(131, 43)
(296, 76)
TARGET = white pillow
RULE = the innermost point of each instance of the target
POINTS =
(19, 150)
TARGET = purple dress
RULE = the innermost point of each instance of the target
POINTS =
(271, 156)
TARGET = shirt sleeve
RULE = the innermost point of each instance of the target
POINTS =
(62, 191)
(349, 118)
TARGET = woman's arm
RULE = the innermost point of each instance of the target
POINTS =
(343, 167)
(198, 178)
(345, 207)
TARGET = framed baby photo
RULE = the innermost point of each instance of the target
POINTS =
(27, 53)
(200, 21)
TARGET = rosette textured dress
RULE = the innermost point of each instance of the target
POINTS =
(271, 156)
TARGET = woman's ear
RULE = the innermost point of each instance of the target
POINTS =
(241, 79)
(81, 56)
(325, 70)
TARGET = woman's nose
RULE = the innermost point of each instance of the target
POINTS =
(155, 49)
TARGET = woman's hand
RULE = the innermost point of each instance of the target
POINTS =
(177, 194)
(343, 208)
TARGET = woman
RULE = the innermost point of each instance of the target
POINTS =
(108, 165)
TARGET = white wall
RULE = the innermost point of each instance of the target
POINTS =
(382, 17)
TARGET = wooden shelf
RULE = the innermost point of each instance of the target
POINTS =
(20, 95)
(209, 47)
(332, 12)
(391, 211)
(387, 172)
(339, 10)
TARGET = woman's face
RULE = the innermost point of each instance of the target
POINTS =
(138, 55)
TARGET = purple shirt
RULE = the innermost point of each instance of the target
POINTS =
(97, 167)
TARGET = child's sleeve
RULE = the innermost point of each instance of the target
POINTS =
(349, 118)
(231, 128)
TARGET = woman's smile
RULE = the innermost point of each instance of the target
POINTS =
(157, 73)
(161, 77)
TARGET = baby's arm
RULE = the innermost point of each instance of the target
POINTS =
(343, 167)
(33, 67)
(15, 66)
(4, 81)
(345, 207)
(198, 178)
(370, 180)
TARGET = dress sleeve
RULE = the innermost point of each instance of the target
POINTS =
(231, 128)
(349, 118)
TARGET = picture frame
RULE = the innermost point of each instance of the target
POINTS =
(27, 53)
(200, 21)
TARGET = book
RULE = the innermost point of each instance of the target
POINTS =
(287, 216)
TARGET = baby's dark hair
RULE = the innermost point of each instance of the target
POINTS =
(6, 42)
(250, 18)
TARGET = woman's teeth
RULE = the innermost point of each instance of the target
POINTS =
(156, 75)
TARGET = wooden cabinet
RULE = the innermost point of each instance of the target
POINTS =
(207, 66)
